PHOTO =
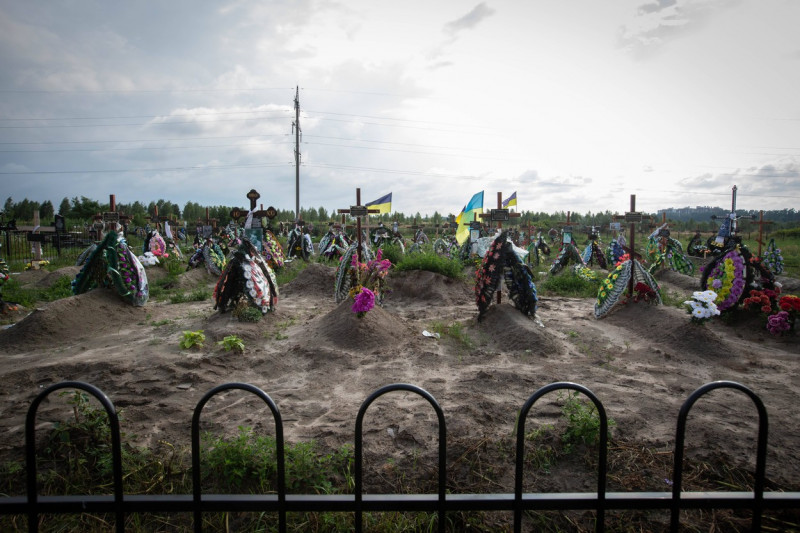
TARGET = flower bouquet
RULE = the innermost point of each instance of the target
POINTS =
(773, 258)
(368, 282)
(780, 311)
(702, 307)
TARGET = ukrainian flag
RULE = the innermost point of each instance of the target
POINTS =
(384, 203)
(474, 207)
(511, 201)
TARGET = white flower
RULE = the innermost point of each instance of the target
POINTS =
(709, 296)
(698, 313)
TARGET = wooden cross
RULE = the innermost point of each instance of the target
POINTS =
(567, 227)
(761, 223)
(109, 219)
(358, 211)
(530, 234)
(499, 215)
(632, 217)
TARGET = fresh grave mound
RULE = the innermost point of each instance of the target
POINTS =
(71, 319)
(315, 280)
(51, 277)
(193, 278)
(221, 325)
(428, 287)
(511, 331)
(678, 280)
(668, 327)
(377, 330)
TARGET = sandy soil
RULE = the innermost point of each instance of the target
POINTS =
(319, 362)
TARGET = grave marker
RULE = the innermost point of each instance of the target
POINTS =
(761, 223)
(358, 211)
(632, 217)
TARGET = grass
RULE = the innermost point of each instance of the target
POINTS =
(568, 284)
(454, 331)
(450, 267)
(28, 297)
(290, 271)
(199, 294)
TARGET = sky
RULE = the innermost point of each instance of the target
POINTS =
(574, 104)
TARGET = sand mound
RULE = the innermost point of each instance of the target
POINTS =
(51, 277)
(682, 281)
(427, 287)
(511, 331)
(315, 280)
(193, 278)
(378, 329)
(220, 325)
(70, 320)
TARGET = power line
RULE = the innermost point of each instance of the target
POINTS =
(199, 146)
(142, 123)
(153, 140)
(144, 91)
(164, 169)
(141, 116)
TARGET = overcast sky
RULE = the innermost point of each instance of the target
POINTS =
(574, 104)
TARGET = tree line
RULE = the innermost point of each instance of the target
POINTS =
(82, 210)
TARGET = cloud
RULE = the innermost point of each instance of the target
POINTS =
(660, 21)
(470, 20)
(656, 6)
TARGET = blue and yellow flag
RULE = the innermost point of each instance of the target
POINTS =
(511, 201)
(467, 215)
(384, 203)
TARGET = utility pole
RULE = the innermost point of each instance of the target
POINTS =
(296, 129)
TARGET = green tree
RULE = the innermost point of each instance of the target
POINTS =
(64, 208)
(46, 211)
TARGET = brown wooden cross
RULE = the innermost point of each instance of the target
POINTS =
(499, 215)
(761, 223)
(358, 211)
(530, 229)
(632, 217)
(567, 227)
(110, 218)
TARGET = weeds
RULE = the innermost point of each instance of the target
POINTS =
(193, 339)
(455, 331)
(244, 312)
(583, 422)
(232, 343)
(200, 294)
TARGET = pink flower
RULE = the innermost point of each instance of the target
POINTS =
(363, 302)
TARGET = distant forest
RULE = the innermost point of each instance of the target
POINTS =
(81, 211)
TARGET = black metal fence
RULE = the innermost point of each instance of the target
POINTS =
(600, 501)
(18, 244)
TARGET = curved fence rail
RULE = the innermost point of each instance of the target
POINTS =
(197, 503)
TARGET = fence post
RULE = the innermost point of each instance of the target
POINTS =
(601, 462)
(30, 450)
(359, 449)
(279, 454)
(761, 451)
